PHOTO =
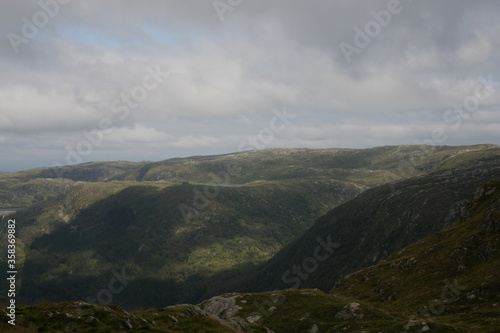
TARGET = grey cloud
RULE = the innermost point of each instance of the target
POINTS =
(264, 55)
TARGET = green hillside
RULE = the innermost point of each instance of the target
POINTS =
(191, 228)
(364, 167)
(450, 279)
(71, 245)
(27, 187)
(447, 282)
(372, 226)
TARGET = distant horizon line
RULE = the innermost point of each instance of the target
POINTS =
(245, 151)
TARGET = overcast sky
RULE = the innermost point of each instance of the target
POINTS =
(180, 78)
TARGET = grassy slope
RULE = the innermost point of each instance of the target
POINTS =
(375, 224)
(286, 189)
(115, 225)
(25, 192)
(451, 278)
(91, 171)
(364, 167)
(24, 188)
(408, 292)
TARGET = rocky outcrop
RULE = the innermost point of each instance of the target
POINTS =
(351, 311)
(491, 222)
(224, 310)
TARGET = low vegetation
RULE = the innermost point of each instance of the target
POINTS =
(447, 282)
(185, 230)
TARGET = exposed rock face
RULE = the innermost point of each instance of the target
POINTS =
(314, 329)
(224, 310)
(254, 319)
(416, 324)
(491, 222)
(222, 307)
(350, 311)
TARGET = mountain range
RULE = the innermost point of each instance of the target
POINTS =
(187, 230)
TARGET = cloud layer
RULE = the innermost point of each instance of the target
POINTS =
(354, 73)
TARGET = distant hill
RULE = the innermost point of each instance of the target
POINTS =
(366, 167)
(24, 188)
(363, 167)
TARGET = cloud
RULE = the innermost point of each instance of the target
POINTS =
(26, 109)
(138, 134)
(226, 76)
(193, 141)
(476, 50)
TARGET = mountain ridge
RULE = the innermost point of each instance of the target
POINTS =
(365, 167)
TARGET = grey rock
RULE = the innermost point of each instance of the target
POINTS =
(350, 311)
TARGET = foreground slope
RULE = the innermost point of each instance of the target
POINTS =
(451, 278)
(445, 283)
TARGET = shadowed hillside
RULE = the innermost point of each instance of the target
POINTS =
(375, 224)
(447, 282)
